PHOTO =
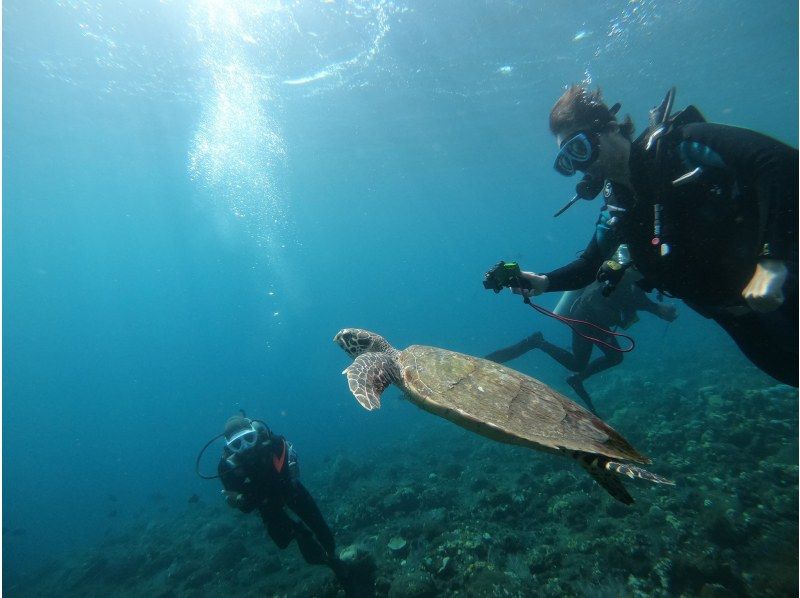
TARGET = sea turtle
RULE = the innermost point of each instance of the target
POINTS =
(492, 400)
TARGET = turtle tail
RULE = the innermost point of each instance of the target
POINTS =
(606, 473)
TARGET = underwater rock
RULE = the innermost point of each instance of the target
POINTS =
(722, 531)
(95, 567)
(349, 553)
(342, 472)
(543, 559)
(404, 501)
(451, 471)
(180, 571)
(437, 496)
(382, 586)
(199, 579)
(271, 564)
(434, 523)
(345, 472)
(496, 499)
(155, 563)
(483, 579)
(511, 543)
(398, 546)
(228, 555)
(215, 531)
(728, 527)
(125, 568)
(413, 584)
(480, 483)
(714, 590)
(446, 568)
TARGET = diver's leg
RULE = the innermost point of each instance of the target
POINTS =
(609, 359)
(575, 361)
(577, 385)
(357, 578)
(279, 526)
(283, 529)
(514, 351)
(312, 551)
(768, 340)
(582, 350)
(302, 503)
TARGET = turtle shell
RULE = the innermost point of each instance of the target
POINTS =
(505, 405)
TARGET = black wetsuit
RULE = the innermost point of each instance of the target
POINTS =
(265, 478)
(703, 243)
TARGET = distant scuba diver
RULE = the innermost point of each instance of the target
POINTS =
(595, 305)
(259, 471)
(708, 212)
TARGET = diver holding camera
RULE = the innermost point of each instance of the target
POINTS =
(509, 275)
(612, 301)
(708, 213)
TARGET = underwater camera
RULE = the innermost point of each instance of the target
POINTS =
(504, 274)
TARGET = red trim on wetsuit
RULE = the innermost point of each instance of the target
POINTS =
(278, 462)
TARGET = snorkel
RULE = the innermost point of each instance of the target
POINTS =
(587, 188)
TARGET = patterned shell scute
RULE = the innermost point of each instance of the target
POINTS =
(501, 403)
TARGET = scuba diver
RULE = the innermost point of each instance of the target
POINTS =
(259, 470)
(593, 304)
(707, 211)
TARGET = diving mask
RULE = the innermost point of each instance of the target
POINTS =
(577, 153)
(242, 441)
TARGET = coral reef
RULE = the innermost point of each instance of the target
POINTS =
(462, 516)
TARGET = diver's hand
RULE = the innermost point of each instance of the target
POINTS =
(763, 293)
(538, 283)
(234, 499)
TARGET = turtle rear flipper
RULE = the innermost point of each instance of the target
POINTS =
(368, 376)
(606, 472)
(632, 471)
(612, 484)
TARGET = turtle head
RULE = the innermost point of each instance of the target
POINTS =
(356, 341)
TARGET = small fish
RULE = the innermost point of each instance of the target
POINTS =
(505, 70)
(157, 497)
(194, 498)
(582, 34)
(112, 513)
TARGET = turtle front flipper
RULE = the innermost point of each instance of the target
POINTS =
(604, 471)
(368, 376)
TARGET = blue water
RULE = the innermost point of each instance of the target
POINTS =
(198, 195)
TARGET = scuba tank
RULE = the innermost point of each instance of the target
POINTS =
(565, 303)
(662, 123)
